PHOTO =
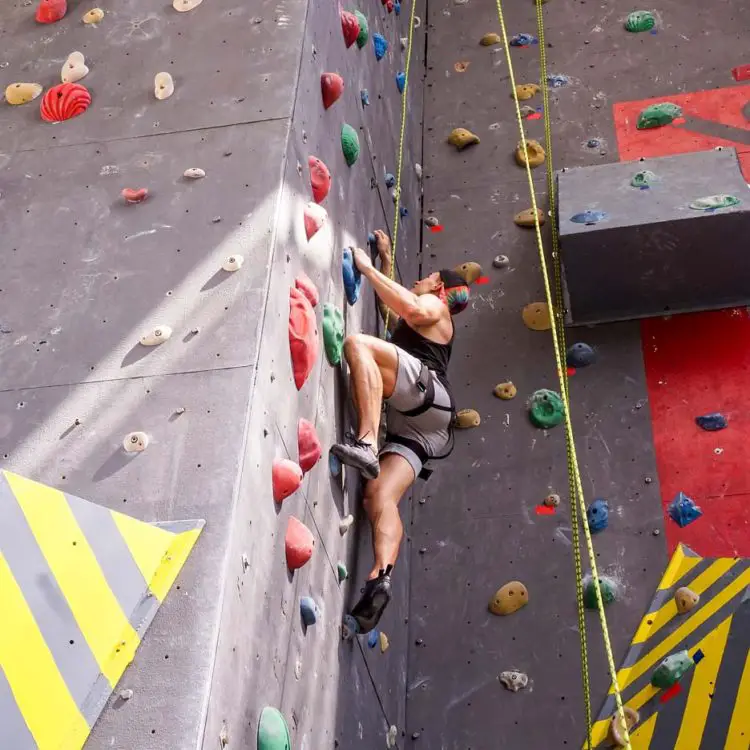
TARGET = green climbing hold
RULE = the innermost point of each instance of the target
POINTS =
(607, 586)
(349, 144)
(657, 115)
(333, 333)
(671, 670)
(546, 409)
(364, 29)
(643, 179)
(712, 202)
(640, 20)
(343, 573)
(273, 733)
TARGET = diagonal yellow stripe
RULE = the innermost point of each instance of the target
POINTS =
(739, 726)
(665, 647)
(38, 687)
(679, 566)
(175, 558)
(702, 686)
(640, 737)
(654, 621)
(110, 636)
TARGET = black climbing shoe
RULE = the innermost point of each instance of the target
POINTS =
(358, 454)
(375, 597)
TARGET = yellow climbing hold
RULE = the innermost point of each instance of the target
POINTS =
(685, 599)
(526, 218)
(488, 40)
(469, 271)
(383, 639)
(95, 15)
(525, 91)
(537, 317)
(22, 93)
(534, 154)
(461, 138)
(466, 419)
(505, 391)
(509, 598)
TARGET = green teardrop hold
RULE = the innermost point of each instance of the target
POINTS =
(349, 144)
(671, 670)
(640, 20)
(273, 733)
(644, 178)
(546, 409)
(712, 202)
(606, 585)
(333, 333)
(364, 29)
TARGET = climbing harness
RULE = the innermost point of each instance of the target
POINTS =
(578, 507)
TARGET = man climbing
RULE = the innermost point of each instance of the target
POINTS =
(409, 372)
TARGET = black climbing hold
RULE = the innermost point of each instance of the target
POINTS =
(580, 355)
(712, 422)
(593, 143)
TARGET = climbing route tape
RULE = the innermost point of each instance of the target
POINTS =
(400, 164)
(578, 506)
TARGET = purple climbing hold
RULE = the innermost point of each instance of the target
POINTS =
(401, 82)
(351, 275)
(390, 180)
(712, 422)
(523, 40)
(308, 610)
(372, 639)
(380, 43)
(682, 510)
(589, 217)
(364, 95)
(597, 515)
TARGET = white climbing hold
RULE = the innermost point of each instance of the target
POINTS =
(194, 173)
(418, 170)
(391, 736)
(432, 221)
(233, 263)
(514, 680)
(135, 442)
(345, 524)
(224, 735)
(163, 86)
(125, 694)
(185, 5)
(74, 68)
(157, 335)
(404, 42)
(95, 15)
(417, 22)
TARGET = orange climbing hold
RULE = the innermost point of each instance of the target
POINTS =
(320, 179)
(350, 27)
(51, 11)
(133, 195)
(315, 217)
(299, 543)
(304, 283)
(309, 446)
(331, 86)
(64, 102)
(304, 342)
(286, 477)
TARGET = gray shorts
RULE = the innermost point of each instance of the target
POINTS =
(429, 429)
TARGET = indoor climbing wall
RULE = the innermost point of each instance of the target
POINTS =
(152, 237)
(481, 521)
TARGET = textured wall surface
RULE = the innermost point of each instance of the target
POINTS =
(84, 276)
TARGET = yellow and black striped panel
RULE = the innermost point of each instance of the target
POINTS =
(79, 585)
(711, 711)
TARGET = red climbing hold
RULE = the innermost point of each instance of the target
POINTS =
(314, 217)
(350, 27)
(299, 543)
(309, 445)
(332, 86)
(51, 11)
(303, 336)
(286, 477)
(305, 285)
(131, 195)
(741, 73)
(320, 179)
(389, 6)
(64, 102)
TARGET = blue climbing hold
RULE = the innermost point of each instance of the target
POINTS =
(390, 180)
(364, 95)
(401, 81)
(557, 80)
(712, 422)
(334, 465)
(597, 515)
(403, 212)
(372, 639)
(682, 510)
(309, 610)
(397, 8)
(381, 46)
(352, 276)
(522, 40)
(580, 355)
(589, 217)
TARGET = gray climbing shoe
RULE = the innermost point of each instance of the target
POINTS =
(375, 597)
(359, 455)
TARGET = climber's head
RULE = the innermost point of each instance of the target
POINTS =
(448, 286)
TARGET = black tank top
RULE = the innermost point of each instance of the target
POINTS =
(435, 356)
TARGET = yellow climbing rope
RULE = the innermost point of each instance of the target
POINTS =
(578, 506)
(400, 165)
